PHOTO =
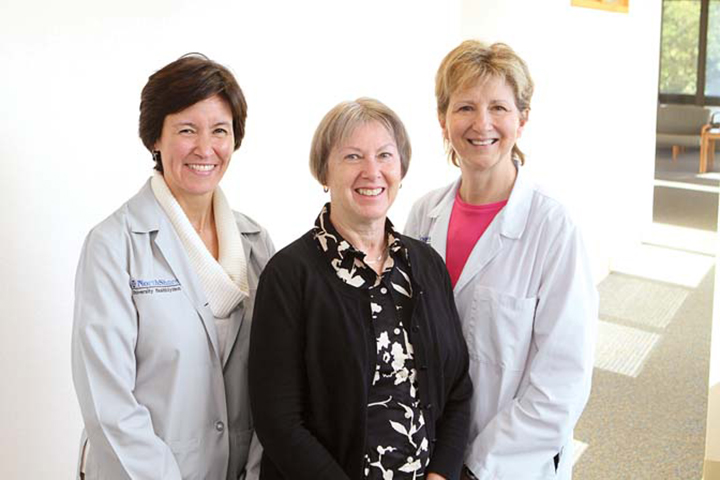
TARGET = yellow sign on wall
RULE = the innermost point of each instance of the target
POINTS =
(610, 5)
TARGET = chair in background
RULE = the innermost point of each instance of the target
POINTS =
(680, 126)
(710, 133)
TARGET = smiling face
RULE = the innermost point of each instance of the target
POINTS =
(363, 175)
(482, 124)
(195, 146)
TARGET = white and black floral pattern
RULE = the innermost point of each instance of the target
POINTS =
(396, 443)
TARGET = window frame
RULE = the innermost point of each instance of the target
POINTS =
(699, 98)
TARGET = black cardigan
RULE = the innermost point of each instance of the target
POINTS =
(312, 361)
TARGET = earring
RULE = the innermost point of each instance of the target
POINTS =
(156, 156)
(325, 189)
(400, 186)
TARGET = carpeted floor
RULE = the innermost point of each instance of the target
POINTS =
(684, 197)
(685, 168)
(671, 205)
(646, 415)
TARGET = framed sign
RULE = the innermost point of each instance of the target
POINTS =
(609, 5)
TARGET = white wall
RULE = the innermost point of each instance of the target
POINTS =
(71, 78)
(711, 463)
(69, 93)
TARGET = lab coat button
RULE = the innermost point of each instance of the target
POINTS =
(220, 426)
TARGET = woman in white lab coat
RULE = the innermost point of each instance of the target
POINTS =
(164, 298)
(520, 272)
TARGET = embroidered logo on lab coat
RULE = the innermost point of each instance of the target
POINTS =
(151, 287)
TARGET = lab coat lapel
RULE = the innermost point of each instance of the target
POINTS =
(507, 226)
(147, 216)
(485, 249)
(174, 253)
(242, 313)
(440, 220)
(483, 252)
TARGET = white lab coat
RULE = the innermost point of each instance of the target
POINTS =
(528, 307)
(157, 400)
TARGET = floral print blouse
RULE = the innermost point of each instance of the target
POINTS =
(396, 447)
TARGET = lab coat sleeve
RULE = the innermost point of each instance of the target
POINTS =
(277, 381)
(522, 439)
(104, 334)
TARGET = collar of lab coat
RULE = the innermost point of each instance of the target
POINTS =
(146, 216)
(512, 219)
(508, 225)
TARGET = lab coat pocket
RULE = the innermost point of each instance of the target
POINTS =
(180, 447)
(169, 323)
(187, 454)
(499, 328)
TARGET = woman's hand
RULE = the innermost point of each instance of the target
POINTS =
(434, 476)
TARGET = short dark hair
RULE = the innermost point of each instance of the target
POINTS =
(190, 79)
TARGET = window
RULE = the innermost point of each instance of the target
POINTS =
(712, 69)
(690, 52)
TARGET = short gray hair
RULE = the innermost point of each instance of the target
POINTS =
(341, 121)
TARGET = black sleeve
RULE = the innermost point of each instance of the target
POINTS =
(277, 374)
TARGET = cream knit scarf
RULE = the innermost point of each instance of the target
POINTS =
(224, 280)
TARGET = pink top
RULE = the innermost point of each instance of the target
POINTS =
(467, 224)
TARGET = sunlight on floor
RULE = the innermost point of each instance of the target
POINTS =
(641, 302)
(708, 176)
(623, 350)
(687, 186)
(664, 265)
(682, 238)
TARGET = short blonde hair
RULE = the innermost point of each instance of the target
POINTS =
(341, 121)
(472, 62)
